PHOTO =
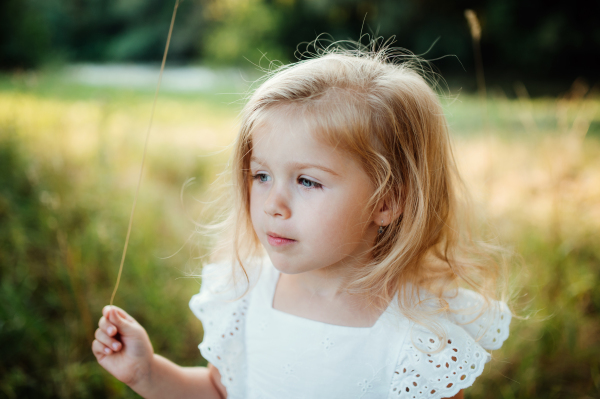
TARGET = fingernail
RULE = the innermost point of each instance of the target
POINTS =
(111, 330)
(116, 346)
(106, 350)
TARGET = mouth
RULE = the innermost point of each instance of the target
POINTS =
(276, 240)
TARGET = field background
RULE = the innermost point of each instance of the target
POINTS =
(69, 157)
(71, 144)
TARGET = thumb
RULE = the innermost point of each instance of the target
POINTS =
(125, 324)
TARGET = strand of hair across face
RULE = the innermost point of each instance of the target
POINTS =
(162, 68)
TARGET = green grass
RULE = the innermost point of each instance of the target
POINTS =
(69, 158)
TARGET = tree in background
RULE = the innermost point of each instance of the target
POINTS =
(546, 40)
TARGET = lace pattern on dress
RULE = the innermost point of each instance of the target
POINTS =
(424, 371)
(227, 351)
(223, 317)
(442, 374)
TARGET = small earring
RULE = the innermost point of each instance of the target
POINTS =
(380, 231)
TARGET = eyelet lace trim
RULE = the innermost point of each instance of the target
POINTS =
(223, 317)
(224, 349)
(437, 375)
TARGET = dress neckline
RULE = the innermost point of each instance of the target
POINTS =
(270, 295)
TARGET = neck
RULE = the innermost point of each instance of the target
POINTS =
(329, 282)
(322, 295)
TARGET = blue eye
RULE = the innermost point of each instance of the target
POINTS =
(261, 177)
(309, 183)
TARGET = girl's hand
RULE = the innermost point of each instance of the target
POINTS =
(122, 346)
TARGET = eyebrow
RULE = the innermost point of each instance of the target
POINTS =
(299, 165)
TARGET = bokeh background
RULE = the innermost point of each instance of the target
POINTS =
(77, 78)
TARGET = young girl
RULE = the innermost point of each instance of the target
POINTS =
(344, 177)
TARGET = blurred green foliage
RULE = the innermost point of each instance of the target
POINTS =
(68, 167)
(63, 216)
(521, 40)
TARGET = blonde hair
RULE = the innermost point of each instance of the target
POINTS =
(377, 106)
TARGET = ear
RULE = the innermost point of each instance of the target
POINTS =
(387, 211)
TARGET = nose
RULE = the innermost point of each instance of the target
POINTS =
(277, 203)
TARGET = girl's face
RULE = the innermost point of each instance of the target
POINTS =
(308, 200)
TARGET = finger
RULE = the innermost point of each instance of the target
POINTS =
(112, 343)
(106, 310)
(111, 309)
(125, 326)
(107, 326)
(99, 349)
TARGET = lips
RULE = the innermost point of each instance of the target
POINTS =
(276, 240)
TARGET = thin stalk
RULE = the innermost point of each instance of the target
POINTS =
(162, 68)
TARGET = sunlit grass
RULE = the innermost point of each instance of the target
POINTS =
(69, 161)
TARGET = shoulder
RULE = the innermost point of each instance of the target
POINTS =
(225, 282)
(226, 285)
(486, 320)
(439, 360)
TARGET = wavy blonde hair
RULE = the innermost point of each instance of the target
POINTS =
(378, 106)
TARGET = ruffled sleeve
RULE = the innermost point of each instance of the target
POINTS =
(222, 309)
(490, 329)
(425, 371)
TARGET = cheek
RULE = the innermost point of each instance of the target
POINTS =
(335, 223)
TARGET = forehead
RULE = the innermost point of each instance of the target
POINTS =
(287, 134)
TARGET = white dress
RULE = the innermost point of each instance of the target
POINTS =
(265, 353)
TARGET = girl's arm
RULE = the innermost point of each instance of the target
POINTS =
(168, 380)
(123, 348)
(215, 377)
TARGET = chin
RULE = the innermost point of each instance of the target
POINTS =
(285, 265)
